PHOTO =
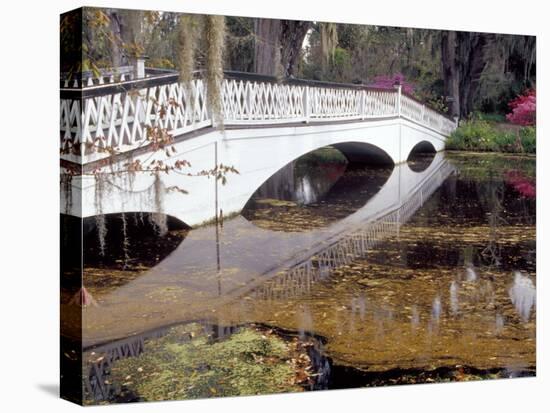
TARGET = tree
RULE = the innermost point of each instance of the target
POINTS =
(472, 52)
(267, 53)
(240, 44)
(451, 71)
(292, 37)
(464, 58)
(484, 68)
(278, 45)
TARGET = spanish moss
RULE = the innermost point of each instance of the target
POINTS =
(215, 38)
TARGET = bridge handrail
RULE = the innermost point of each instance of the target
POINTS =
(159, 76)
(118, 114)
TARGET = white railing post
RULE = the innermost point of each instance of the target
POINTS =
(363, 108)
(138, 66)
(249, 98)
(306, 104)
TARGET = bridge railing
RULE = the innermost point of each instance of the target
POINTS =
(106, 76)
(111, 114)
(417, 111)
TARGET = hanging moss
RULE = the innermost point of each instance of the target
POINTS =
(67, 189)
(125, 241)
(100, 218)
(158, 218)
(213, 34)
(215, 38)
(187, 37)
(329, 41)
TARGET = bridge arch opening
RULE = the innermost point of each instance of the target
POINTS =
(421, 156)
(364, 153)
(314, 190)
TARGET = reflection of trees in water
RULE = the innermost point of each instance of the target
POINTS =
(131, 244)
(420, 161)
(492, 252)
(303, 197)
(506, 208)
(523, 295)
(131, 241)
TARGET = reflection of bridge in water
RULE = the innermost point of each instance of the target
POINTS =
(214, 267)
(299, 279)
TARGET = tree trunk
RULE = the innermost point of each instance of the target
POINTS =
(451, 71)
(293, 33)
(472, 57)
(267, 54)
(116, 55)
(278, 45)
(463, 56)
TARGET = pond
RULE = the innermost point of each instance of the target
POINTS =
(333, 276)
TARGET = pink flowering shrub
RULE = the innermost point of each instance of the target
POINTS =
(522, 184)
(388, 82)
(523, 109)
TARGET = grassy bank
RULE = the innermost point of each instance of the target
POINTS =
(488, 135)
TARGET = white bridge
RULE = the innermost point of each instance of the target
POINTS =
(261, 125)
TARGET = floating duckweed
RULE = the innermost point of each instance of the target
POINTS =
(248, 362)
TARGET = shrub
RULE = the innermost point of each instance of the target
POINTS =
(473, 135)
(481, 135)
(528, 137)
(523, 109)
(388, 82)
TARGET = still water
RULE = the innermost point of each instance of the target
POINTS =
(333, 276)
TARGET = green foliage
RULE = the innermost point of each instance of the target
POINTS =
(327, 155)
(473, 135)
(485, 136)
(528, 136)
(174, 367)
(240, 44)
(340, 65)
(490, 117)
(161, 63)
(436, 102)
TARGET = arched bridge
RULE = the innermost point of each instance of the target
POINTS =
(262, 124)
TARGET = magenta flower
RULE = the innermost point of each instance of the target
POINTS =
(523, 109)
(389, 82)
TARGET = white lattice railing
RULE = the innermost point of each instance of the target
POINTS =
(120, 119)
(117, 115)
(418, 112)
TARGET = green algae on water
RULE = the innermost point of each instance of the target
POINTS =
(248, 362)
